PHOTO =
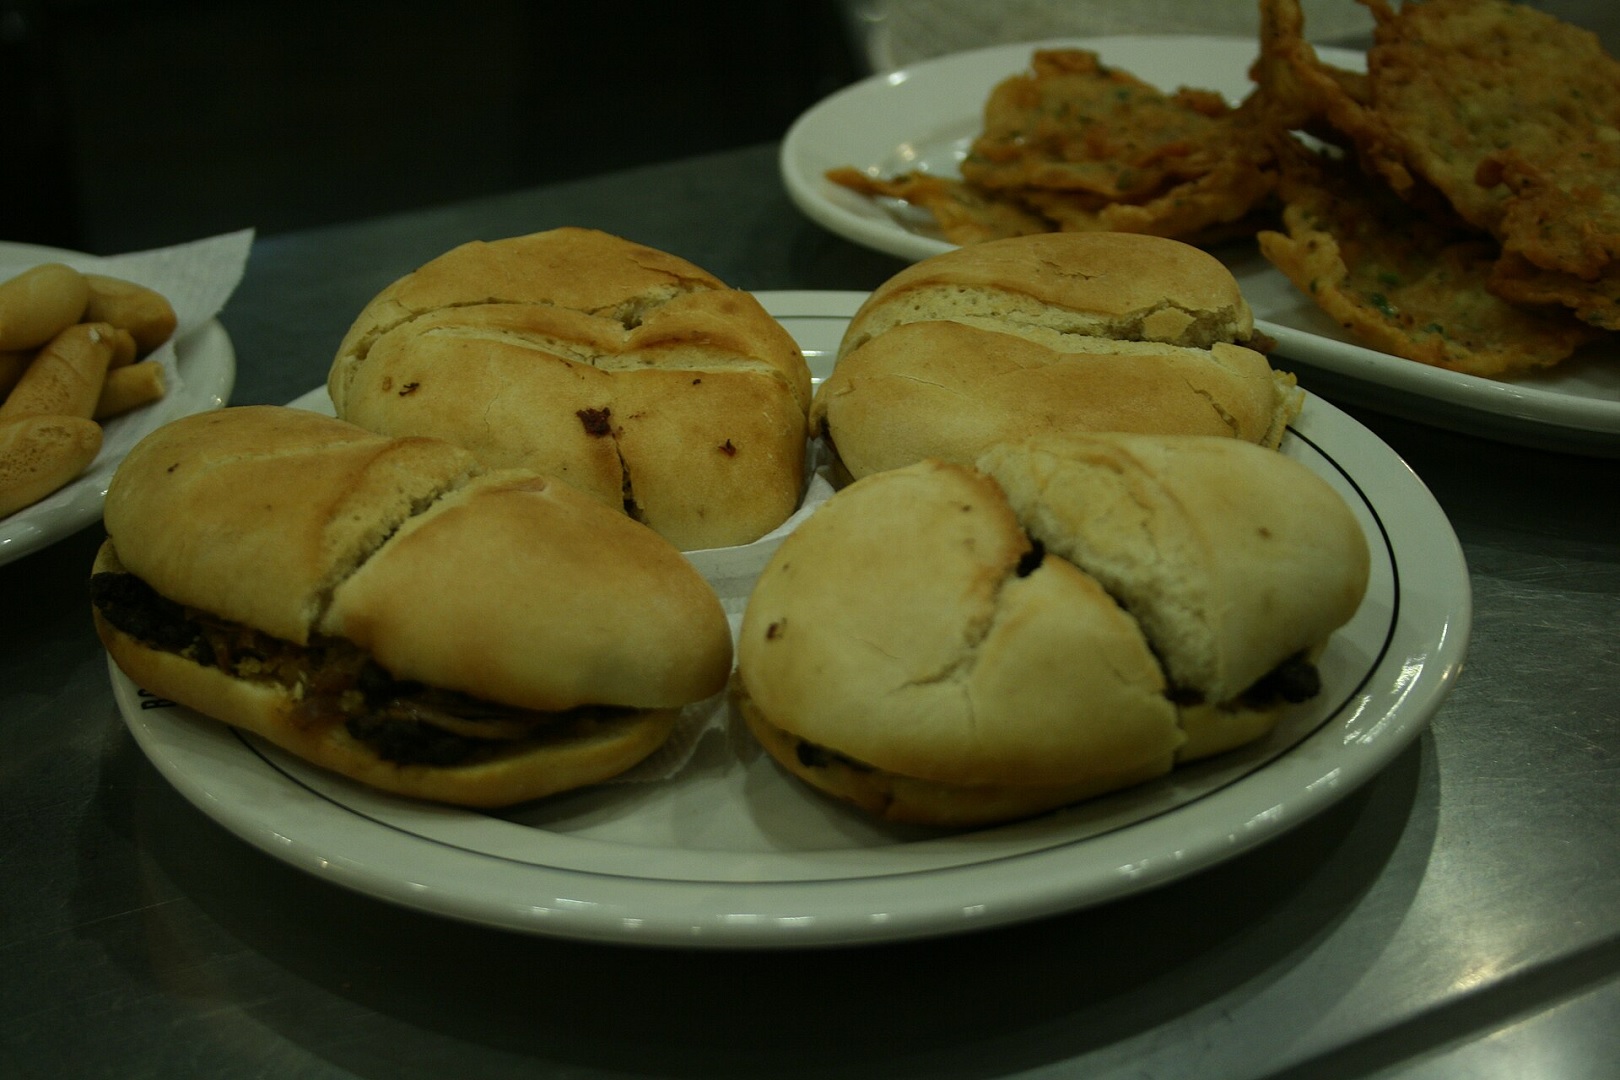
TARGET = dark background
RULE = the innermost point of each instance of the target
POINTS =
(139, 123)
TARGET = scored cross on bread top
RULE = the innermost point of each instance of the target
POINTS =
(627, 372)
(501, 584)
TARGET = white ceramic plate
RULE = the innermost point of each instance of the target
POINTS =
(732, 852)
(202, 371)
(922, 118)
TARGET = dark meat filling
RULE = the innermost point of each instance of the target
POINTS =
(1030, 561)
(403, 722)
(136, 608)
(814, 756)
(1294, 680)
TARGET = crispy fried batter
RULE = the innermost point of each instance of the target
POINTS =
(1074, 124)
(1405, 282)
(1298, 91)
(1480, 233)
(1560, 228)
(964, 215)
(1595, 301)
(1074, 145)
(1563, 212)
(1457, 80)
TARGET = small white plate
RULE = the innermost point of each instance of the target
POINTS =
(201, 369)
(731, 852)
(923, 118)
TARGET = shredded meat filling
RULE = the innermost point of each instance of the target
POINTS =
(1294, 680)
(815, 756)
(334, 682)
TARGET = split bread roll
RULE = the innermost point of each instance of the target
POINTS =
(1053, 332)
(922, 648)
(1238, 562)
(897, 653)
(627, 372)
(388, 610)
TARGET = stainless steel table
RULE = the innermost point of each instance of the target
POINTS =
(1459, 915)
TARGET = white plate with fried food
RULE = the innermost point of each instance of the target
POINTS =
(731, 852)
(199, 370)
(922, 120)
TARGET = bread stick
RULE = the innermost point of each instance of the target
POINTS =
(39, 303)
(65, 378)
(39, 454)
(144, 312)
(129, 387)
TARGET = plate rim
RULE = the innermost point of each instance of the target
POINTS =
(777, 914)
(1549, 417)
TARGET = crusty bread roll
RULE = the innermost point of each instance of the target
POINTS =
(631, 374)
(907, 650)
(1234, 559)
(386, 609)
(1052, 332)
(950, 646)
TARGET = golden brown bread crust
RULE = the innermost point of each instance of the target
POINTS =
(39, 454)
(910, 800)
(1130, 287)
(950, 390)
(522, 590)
(1232, 557)
(628, 372)
(278, 505)
(902, 626)
(1053, 332)
(507, 586)
(938, 643)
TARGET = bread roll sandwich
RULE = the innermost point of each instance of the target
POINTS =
(1238, 563)
(627, 372)
(908, 650)
(934, 650)
(1053, 332)
(388, 610)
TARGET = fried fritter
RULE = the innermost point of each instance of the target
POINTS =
(1560, 228)
(963, 215)
(1209, 210)
(1408, 283)
(1073, 145)
(1073, 124)
(1563, 212)
(1467, 214)
(1297, 91)
(1455, 81)
(1595, 301)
